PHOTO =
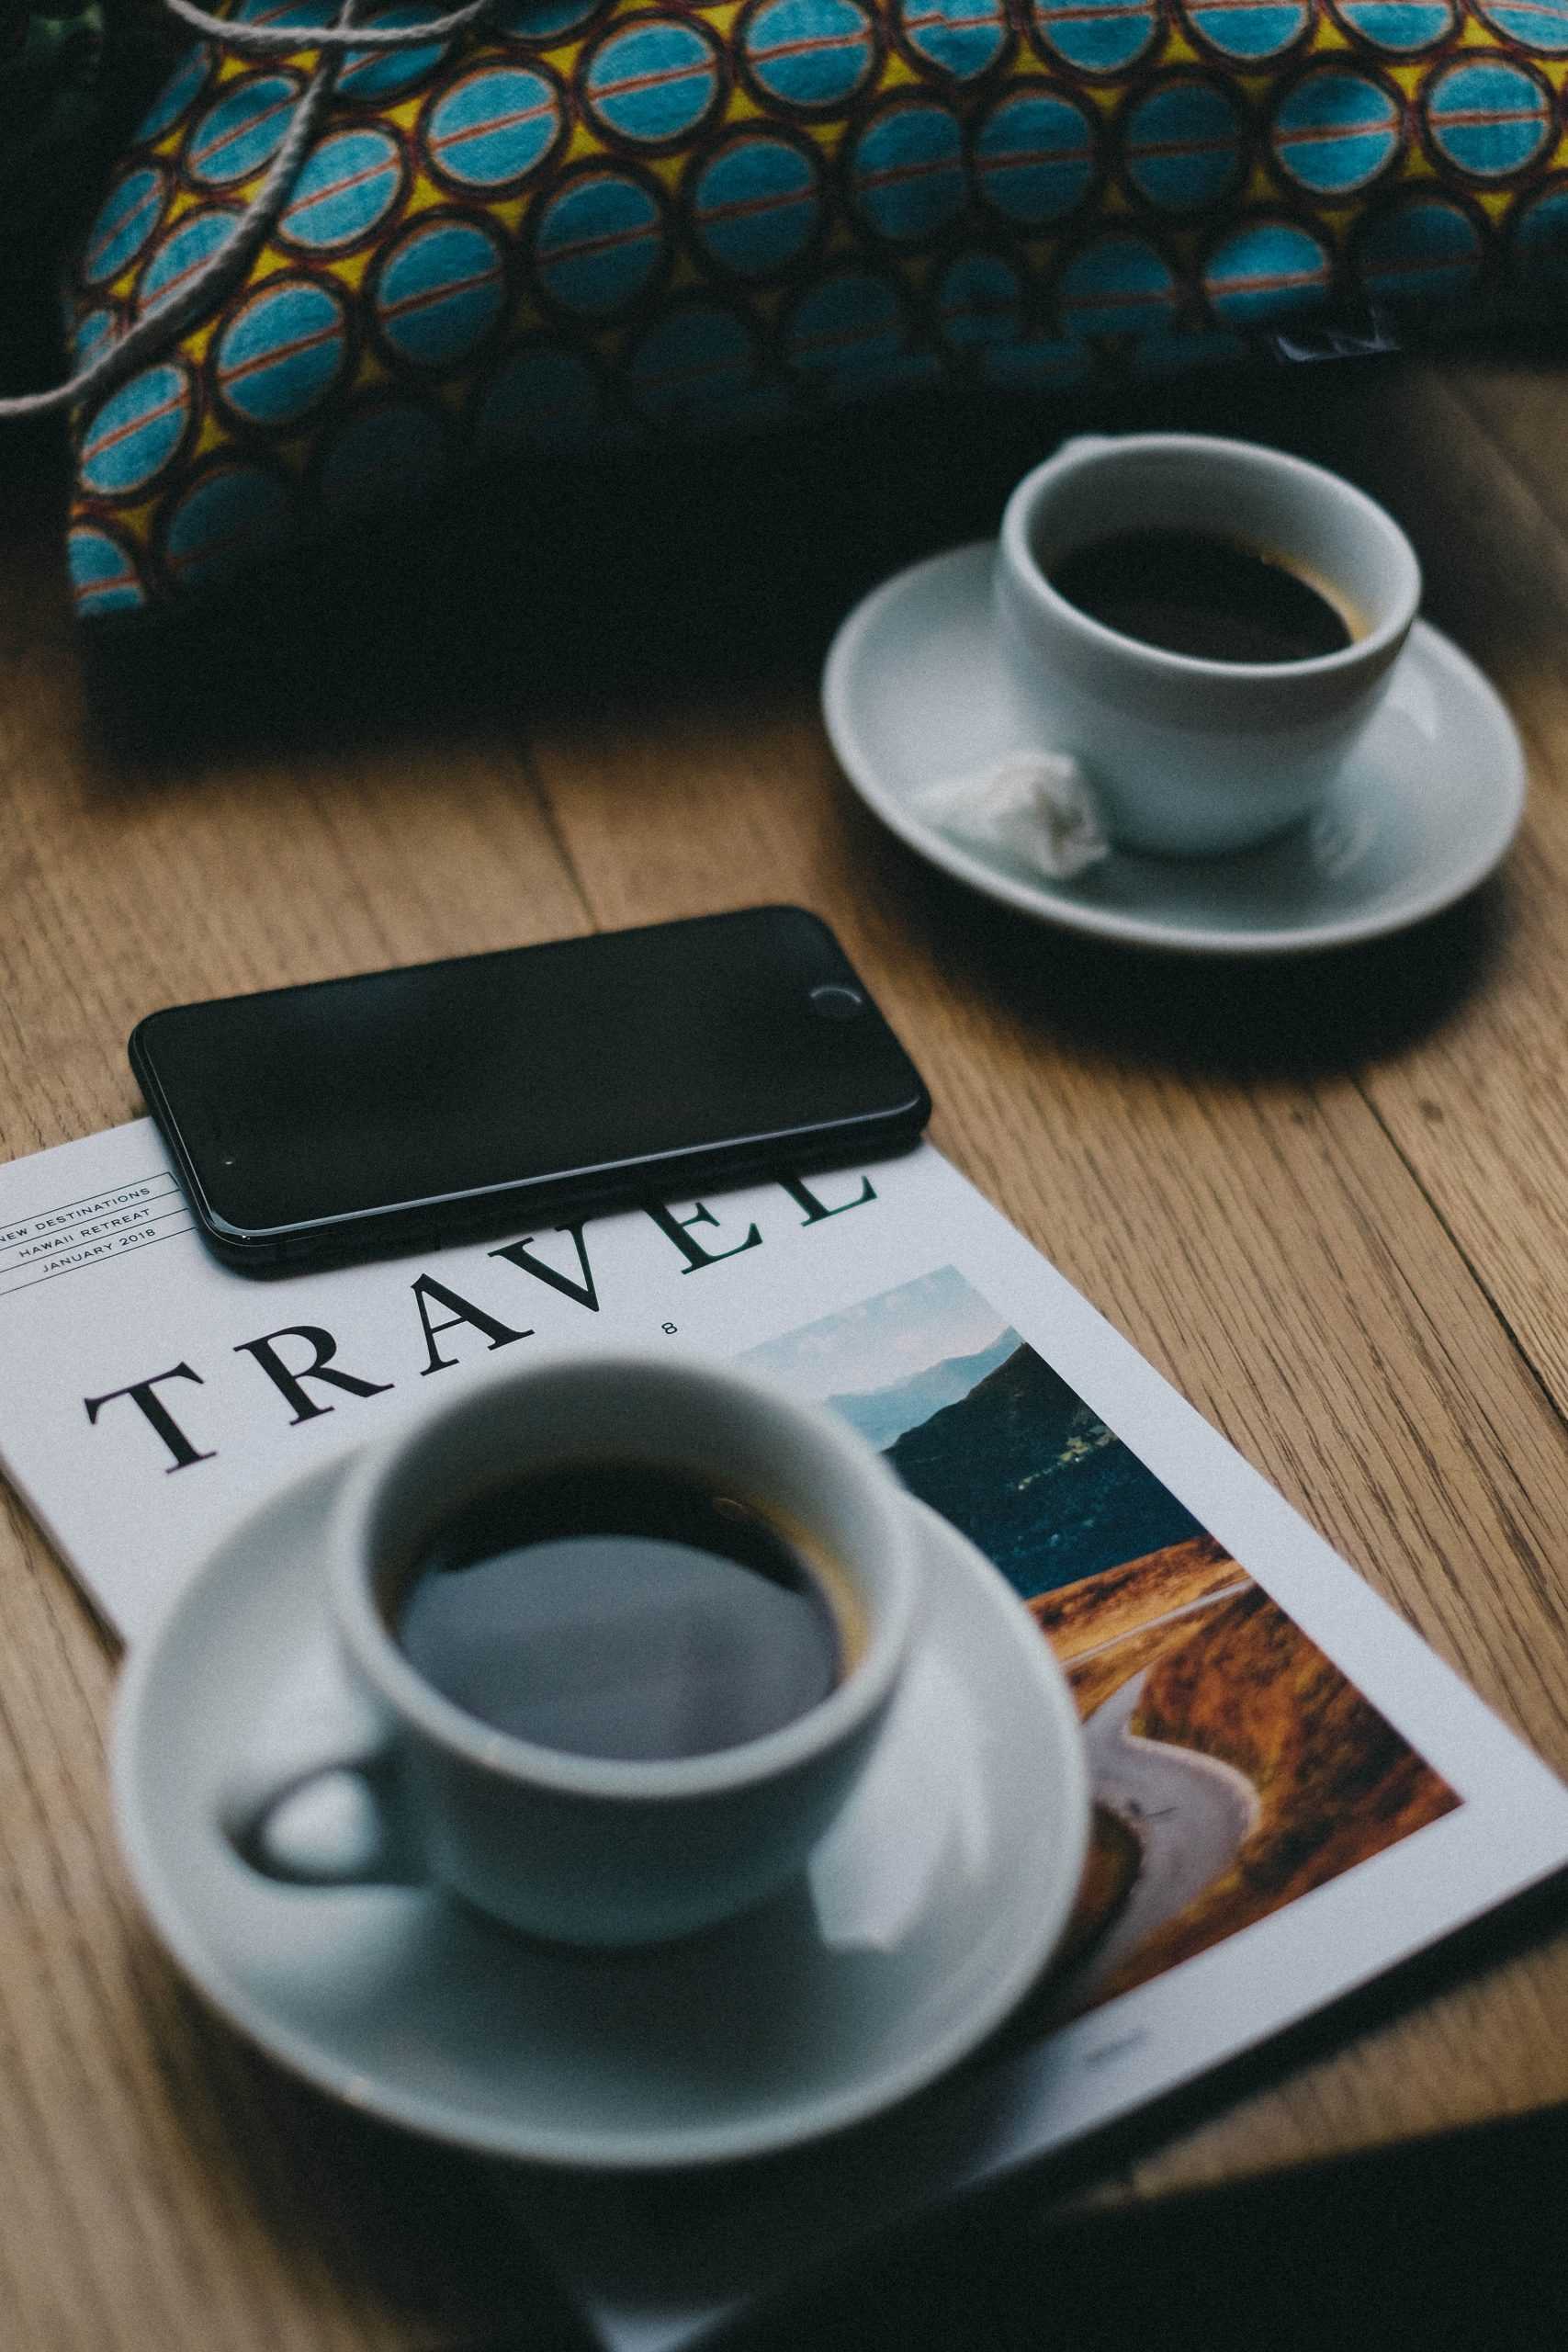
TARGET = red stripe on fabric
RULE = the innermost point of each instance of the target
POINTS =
(1108, 13)
(117, 230)
(896, 172)
(1024, 159)
(126, 579)
(666, 77)
(604, 243)
(1319, 134)
(1485, 117)
(122, 432)
(814, 45)
(1278, 284)
(449, 139)
(740, 207)
(260, 360)
(306, 204)
(988, 20)
(203, 155)
(428, 296)
(168, 284)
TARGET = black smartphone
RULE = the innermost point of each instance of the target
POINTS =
(396, 1109)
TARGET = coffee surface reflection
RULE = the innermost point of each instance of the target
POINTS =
(1202, 594)
(617, 1610)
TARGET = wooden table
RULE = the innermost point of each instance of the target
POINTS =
(1329, 1200)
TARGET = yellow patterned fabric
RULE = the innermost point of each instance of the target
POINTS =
(591, 221)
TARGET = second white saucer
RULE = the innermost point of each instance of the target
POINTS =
(916, 688)
(926, 1912)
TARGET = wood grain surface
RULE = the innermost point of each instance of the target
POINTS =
(1329, 1200)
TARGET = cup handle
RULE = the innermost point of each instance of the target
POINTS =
(327, 1804)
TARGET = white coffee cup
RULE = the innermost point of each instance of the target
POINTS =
(393, 1780)
(1185, 755)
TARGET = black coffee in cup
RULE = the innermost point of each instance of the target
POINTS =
(617, 1609)
(1201, 594)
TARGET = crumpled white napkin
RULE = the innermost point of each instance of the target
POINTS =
(1038, 806)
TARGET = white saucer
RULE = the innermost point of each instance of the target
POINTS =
(916, 688)
(926, 1913)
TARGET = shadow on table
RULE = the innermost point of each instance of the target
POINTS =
(1450, 2243)
(569, 590)
(395, 2234)
(558, 585)
(562, 594)
(1239, 1017)
(1452, 2246)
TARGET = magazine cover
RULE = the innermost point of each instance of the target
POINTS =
(1291, 1792)
(1233, 1766)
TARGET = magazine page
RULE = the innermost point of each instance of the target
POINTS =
(1291, 1792)
(149, 1397)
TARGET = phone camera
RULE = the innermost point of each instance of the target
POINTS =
(835, 1002)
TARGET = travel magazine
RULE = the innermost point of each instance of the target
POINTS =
(1291, 1792)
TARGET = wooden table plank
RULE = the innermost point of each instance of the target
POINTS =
(163, 2187)
(1478, 1107)
(607, 714)
(1244, 1217)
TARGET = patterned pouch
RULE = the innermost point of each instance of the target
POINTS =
(584, 221)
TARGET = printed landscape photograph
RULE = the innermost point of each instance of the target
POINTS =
(1234, 1767)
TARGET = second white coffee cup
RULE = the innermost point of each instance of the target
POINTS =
(1187, 755)
(590, 1848)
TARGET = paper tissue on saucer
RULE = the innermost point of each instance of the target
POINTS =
(1038, 807)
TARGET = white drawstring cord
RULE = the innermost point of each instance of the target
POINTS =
(152, 333)
(264, 39)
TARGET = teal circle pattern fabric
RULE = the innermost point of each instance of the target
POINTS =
(594, 222)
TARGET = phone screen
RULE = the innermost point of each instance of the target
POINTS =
(596, 1064)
